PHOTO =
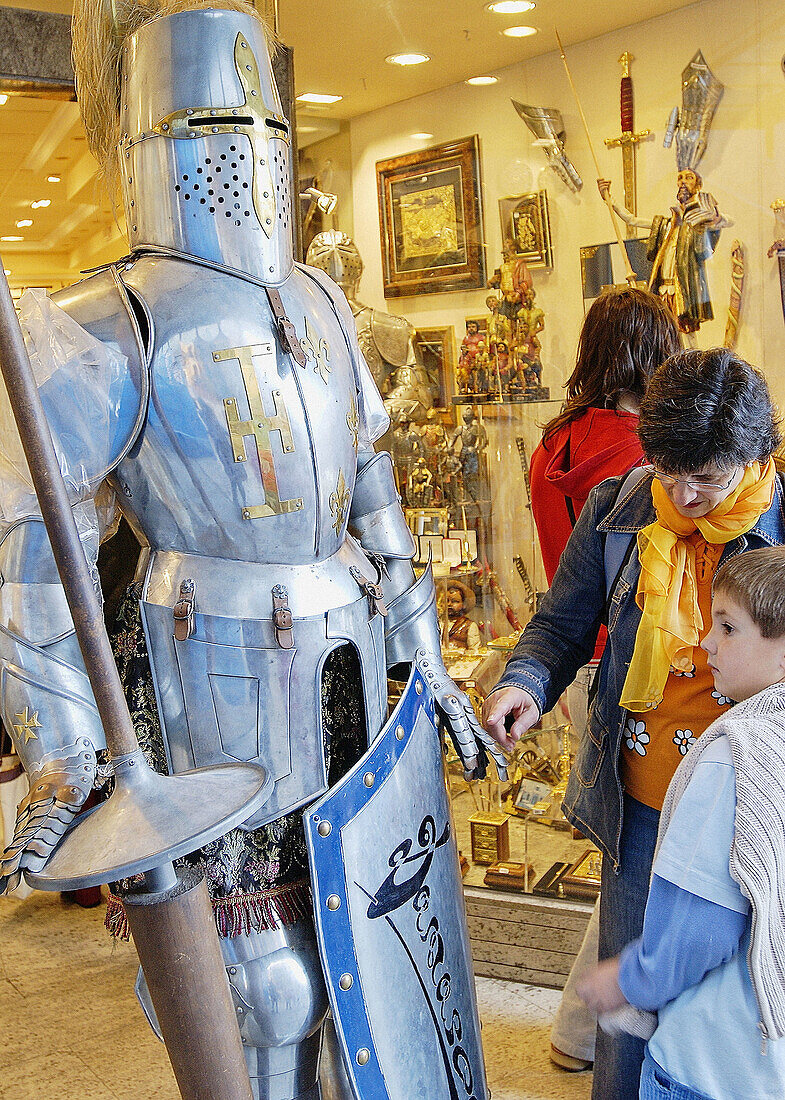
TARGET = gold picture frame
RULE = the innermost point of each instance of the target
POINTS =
(525, 222)
(430, 217)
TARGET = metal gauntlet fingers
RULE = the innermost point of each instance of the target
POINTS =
(58, 790)
(457, 716)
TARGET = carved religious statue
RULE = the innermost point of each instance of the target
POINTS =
(679, 245)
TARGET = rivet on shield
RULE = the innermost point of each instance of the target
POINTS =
(369, 779)
(324, 828)
(346, 981)
(363, 1056)
(418, 687)
(333, 902)
(400, 732)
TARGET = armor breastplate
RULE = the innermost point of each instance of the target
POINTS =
(241, 480)
(244, 454)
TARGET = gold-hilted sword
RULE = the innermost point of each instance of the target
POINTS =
(628, 139)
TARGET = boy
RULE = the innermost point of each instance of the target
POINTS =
(711, 960)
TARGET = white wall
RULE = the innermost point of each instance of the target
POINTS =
(744, 166)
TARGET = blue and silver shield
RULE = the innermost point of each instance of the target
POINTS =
(390, 917)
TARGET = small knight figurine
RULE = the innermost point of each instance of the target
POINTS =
(472, 361)
(468, 442)
(530, 321)
(419, 489)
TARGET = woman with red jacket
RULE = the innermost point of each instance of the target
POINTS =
(626, 334)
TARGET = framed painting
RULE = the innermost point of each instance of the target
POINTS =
(430, 216)
(525, 222)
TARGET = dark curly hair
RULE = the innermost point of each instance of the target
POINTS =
(706, 408)
(626, 334)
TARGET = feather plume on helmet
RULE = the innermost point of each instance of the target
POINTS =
(99, 29)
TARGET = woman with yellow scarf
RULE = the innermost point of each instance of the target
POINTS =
(708, 430)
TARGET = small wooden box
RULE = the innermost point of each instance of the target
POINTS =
(490, 834)
(509, 876)
(582, 880)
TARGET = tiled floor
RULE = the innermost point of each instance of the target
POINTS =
(72, 1026)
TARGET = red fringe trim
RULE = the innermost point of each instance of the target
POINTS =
(115, 920)
(236, 915)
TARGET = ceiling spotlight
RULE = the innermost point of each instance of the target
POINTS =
(318, 98)
(11, 238)
(6, 272)
(407, 58)
(479, 80)
(519, 32)
(509, 7)
(422, 137)
(41, 202)
(52, 179)
(23, 224)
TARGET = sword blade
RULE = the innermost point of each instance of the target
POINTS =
(628, 177)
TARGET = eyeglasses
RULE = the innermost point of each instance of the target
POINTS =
(697, 486)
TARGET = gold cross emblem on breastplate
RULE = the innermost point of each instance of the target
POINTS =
(259, 426)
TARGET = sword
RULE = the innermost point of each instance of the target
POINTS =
(630, 275)
(736, 288)
(520, 442)
(628, 139)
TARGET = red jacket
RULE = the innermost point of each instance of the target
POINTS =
(581, 454)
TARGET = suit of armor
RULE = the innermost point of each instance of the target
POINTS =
(235, 421)
(386, 340)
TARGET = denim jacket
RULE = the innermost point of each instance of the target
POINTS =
(560, 639)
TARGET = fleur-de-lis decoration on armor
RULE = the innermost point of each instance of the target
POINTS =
(339, 503)
(353, 423)
(26, 725)
(317, 349)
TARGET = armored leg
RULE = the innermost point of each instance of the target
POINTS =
(281, 1001)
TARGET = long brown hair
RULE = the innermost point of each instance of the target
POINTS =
(626, 334)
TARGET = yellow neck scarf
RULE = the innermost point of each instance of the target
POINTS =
(671, 622)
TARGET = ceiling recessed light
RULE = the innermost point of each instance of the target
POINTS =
(6, 272)
(11, 238)
(23, 224)
(422, 137)
(482, 80)
(318, 98)
(52, 179)
(519, 32)
(3, 100)
(407, 58)
(509, 7)
(41, 202)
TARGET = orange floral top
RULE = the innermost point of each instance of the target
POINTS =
(655, 741)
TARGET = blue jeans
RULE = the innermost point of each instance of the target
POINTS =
(618, 1058)
(656, 1084)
